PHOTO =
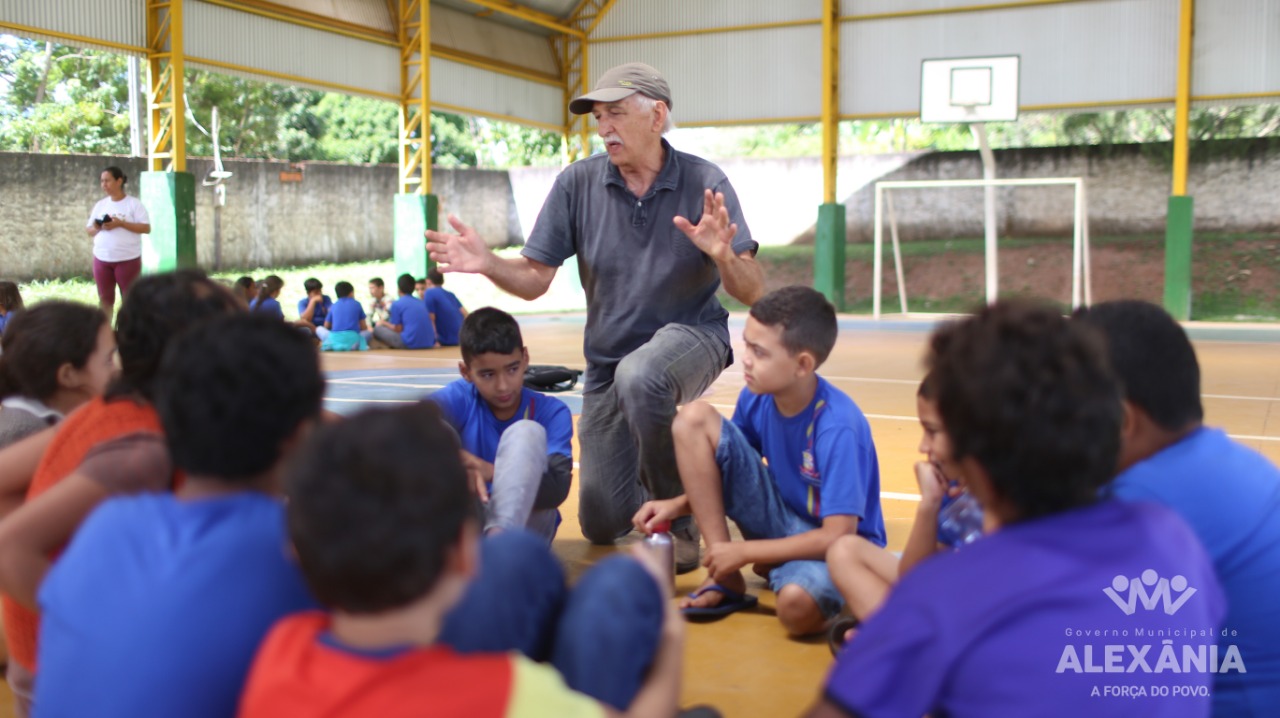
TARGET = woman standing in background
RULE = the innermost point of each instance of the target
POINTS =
(116, 224)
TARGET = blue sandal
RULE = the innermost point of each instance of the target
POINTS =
(731, 603)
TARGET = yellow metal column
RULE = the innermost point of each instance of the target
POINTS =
(415, 96)
(168, 136)
(168, 190)
(1180, 218)
(829, 250)
(575, 58)
(416, 209)
(830, 97)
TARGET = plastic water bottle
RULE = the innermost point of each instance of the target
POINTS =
(960, 522)
(662, 544)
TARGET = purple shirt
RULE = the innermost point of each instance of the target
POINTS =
(1046, 617)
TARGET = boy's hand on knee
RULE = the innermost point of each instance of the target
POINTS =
(653, 513)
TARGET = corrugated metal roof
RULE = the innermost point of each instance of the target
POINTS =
(1237, 47)
(635, 17)
(474, 35)
(728, 77)
(367, 13)
(252, 41)
(121, 22)
(489, 93)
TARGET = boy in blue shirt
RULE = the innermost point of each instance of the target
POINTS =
(516, 442)
(819, 478)
(1228, 493)
(446, 311)
(346, 322)
(409, 325)
(313, 310)
(160, 601)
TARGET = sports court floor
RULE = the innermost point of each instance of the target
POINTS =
(744, 664)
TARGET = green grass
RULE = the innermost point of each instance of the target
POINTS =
(565, 294)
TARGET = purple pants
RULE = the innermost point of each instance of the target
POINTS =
(109, 274)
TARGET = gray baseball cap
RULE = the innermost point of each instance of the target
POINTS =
(622, 82)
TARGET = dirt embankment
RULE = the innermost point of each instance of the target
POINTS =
(1228, 276)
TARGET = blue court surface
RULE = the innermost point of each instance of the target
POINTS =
(352, 391)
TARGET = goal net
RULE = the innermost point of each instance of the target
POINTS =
(1081, 293)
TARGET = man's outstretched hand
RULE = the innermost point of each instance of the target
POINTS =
(461, 252)
(714, 232)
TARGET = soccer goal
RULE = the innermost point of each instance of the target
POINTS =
(1081, 289)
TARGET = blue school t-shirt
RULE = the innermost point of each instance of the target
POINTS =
(448, 310)
(411, 314)
(469, 415)
(268, 306)
(1230, 496)
(346, 314)
(4, 321)
(158, 606)
(1044, 617)
(823, 459)
(322, 309)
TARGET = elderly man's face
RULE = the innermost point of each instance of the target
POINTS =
(632, 133)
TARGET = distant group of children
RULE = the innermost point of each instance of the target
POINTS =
(145, 555)
(420, 319)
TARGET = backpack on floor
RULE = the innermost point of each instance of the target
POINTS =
(552, 379)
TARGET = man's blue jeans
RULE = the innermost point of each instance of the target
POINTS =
(602, 636)
(628, 456)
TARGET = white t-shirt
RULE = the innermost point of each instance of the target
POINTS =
(118, 245)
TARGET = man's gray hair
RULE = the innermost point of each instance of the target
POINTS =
(646, 104)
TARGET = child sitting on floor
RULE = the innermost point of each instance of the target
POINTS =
(446, 311)
(516, 442)
(267, 301)
(313, 309)
(112, 445)
(946, 518)
(380, 307)
(58, 355)
(1067, 599)
(246, 290)
(380, 517)
(409, 326)
(10, 303)
(160, 601)
(795, 468)
(346, 322)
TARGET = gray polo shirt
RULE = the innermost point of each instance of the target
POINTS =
(639, 271)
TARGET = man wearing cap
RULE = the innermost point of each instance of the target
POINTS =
(655, 231)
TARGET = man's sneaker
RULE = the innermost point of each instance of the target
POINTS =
(688, 547)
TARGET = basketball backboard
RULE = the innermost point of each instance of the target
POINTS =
(969, 89)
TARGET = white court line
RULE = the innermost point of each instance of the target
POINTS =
(373, 401)
(344, 380)
(1247, 437)
(1240, 398)
(899, 496)
(389, 385)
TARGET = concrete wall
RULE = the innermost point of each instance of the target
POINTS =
(337, 213)
(343, 212)
(1128, 186)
